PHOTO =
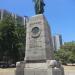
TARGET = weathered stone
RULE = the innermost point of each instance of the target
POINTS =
(40, 47)
(39, 50)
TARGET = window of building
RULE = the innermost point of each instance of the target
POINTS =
(0, 15)
(5, 13)
(19, 21)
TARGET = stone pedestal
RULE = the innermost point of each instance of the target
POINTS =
(39, 45)
(39, 49)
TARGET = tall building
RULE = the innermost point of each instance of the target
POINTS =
(57, 42)
(20, 21)
(4, 13)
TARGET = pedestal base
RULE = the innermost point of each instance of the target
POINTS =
(49, 71)
(38, 69)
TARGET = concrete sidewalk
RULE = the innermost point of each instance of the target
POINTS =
(7, 71)
(69, 72)
(12, 72)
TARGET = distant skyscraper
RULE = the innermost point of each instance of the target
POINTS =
(20, 21)
(4, 13)
(57, 42)
(0, 15)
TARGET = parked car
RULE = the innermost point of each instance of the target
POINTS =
(4, 65)
(12, 65)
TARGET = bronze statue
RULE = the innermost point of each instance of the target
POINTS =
(39, 6)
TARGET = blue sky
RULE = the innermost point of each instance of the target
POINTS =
(59, 13)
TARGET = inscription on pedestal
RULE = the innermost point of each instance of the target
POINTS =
(38, 41)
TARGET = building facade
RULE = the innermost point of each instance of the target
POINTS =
(57, 42)
(20, 21)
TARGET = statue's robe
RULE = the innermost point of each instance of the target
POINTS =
(39, 6)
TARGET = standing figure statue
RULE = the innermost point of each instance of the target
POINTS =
(39, 6)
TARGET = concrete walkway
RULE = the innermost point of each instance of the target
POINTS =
(7, 71)
(12, 72)
(69, 72)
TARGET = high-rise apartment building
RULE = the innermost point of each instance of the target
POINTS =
(57, 42)
(4, 13)
(20, 21)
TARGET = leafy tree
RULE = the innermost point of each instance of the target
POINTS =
(21, 35)
(10, 39)
(66, 53)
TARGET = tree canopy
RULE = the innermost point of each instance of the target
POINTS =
(12, 40)
(66, 53)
